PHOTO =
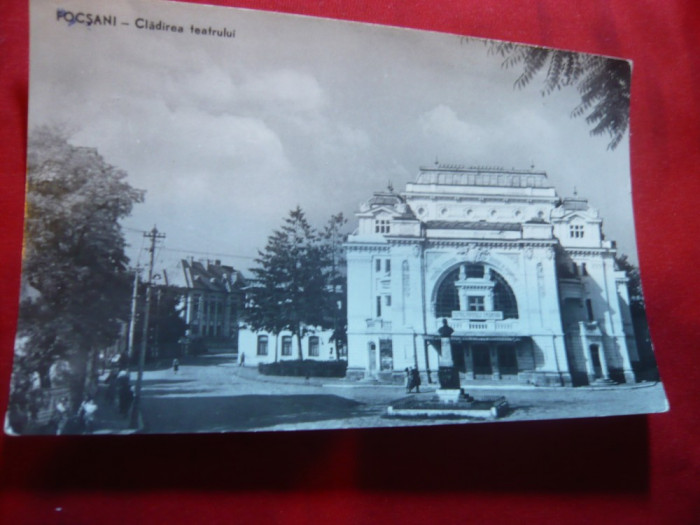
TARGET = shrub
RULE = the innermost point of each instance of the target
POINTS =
(305, 368)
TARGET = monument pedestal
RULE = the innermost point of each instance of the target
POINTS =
(448, 377)
(449, 395)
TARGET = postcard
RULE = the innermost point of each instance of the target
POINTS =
(251, 221)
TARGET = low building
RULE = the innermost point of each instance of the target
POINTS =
(526, 280)
(266, 347)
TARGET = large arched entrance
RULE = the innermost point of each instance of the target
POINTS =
(481, 307)
(471, 280)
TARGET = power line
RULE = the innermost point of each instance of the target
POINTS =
(179, 250)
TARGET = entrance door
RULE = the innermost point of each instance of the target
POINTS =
(372, 359)
(595, 357)
(458, 348)
(386, 355)
(482, 362)
(507, 360)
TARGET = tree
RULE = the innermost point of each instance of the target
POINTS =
(603, 83)
(647, 361)
(166, 323)
(290, 289)
(333, 238)
(75, 281)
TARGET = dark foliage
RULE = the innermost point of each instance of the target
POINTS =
(304, 368)
(603, 83)
(298, 281)
(75, 283)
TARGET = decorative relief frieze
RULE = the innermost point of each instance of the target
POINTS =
(364, 248)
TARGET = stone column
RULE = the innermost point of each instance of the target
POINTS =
(461, 290)
(603, 362)
(495, 371)
(626, 364)
(590, 370)
(469, 362)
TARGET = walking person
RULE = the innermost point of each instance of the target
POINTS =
(241, 361)
(61, 415)
(87, 414)
(176, 365)
(124, 393)
(415, 374)
(409, 380)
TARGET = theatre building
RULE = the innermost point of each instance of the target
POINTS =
(526, 280)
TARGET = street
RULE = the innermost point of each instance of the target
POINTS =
(211, 393)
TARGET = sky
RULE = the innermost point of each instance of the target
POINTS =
(226, 135)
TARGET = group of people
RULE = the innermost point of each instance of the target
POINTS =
(65, 421)
(412, 380)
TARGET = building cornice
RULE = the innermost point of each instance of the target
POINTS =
(518, 244)
(366, 247)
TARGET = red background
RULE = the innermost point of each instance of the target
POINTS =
(633, 469)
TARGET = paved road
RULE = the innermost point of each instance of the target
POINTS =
(212, 394)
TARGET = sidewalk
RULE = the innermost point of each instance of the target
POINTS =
(251, 373)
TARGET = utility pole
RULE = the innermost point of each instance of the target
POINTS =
(132, 322)
(153, 235)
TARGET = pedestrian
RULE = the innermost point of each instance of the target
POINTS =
(409, 380)
(176, 365)
(241, 361)
(61, 415)
(87, 413)
(416, 379)
(124, 392)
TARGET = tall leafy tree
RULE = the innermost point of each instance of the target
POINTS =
(291, 280)
(647, 363)
(166, 323)
(333, 237)
(603, 83)
(75, 280)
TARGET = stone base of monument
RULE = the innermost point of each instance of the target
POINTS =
(602, 382)
(450, 403)
(450, 395)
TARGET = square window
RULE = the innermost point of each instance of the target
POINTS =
(475, 303)
(381, 226)
(576, 231)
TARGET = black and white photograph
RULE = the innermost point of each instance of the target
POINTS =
(245, 221)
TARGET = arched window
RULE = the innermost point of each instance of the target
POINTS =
(447, 300)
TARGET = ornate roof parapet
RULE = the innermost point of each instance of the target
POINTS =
(456, 175)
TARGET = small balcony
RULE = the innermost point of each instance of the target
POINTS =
(379, 324)
(485, 326)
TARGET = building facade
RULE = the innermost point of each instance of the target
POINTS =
(213, 302)
(525, 279)
(266, 347)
